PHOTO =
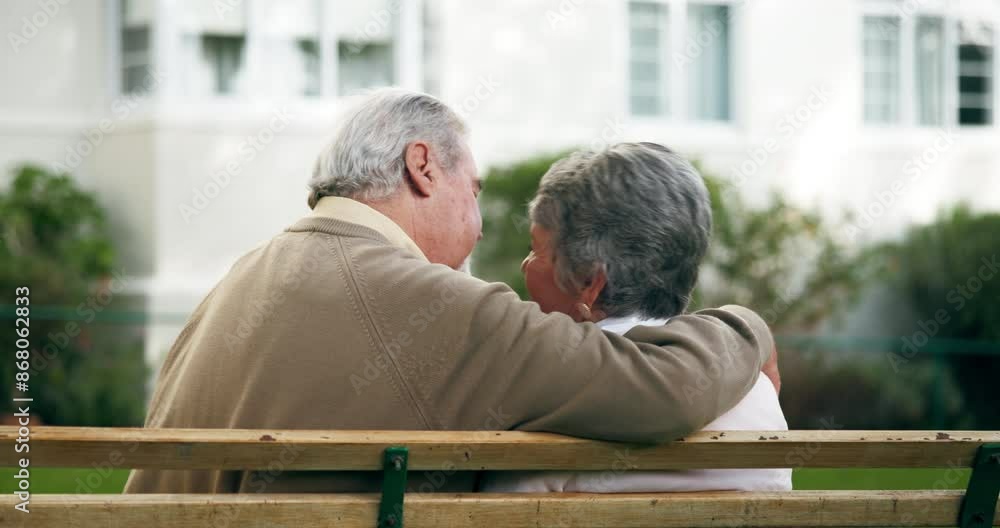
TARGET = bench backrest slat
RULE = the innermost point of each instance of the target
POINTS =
(698, 510)
(473, 450)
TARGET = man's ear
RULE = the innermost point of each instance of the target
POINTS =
(594, 288)
(418, 167)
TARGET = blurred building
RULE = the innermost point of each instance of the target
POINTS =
(197, 121)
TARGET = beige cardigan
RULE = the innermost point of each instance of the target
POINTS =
(341, 323)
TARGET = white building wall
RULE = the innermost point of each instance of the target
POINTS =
(797, 99)
(53, 79)
(546, 87)
(530, 76)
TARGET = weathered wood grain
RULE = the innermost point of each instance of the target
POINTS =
(473, 450)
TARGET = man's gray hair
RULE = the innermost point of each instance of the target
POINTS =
(637, 211)
(366, 158)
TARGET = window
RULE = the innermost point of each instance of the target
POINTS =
(431, 49)
(881, 49)
(975, 75)
(647, 65)
(212, 48)
(365, 43)
(289, 47)
(292, 48)
(364, 65)
(708, 27)
(679, 59)
(927, 69)
(309, 55)
(136, 52)
(222, 60)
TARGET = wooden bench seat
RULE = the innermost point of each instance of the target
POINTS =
(499, 450)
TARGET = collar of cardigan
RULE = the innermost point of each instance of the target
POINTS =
(343, 216)
(355, 212)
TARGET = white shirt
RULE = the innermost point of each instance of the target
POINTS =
(758, 410)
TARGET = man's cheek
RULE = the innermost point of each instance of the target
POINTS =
(529, 282)
(475, 221)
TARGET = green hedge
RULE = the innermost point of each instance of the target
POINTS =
(55, 242)
(948, 273)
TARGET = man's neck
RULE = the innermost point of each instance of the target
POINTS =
(358, 212)
(400, 210)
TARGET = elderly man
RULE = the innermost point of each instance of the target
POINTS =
(355, 318)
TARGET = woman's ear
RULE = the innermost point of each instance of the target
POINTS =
(594, 288)
(418, 167)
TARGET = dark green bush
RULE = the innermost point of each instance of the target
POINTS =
(54, 241)
(947, 272)
(861, 390)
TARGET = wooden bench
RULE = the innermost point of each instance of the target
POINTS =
(400, 451)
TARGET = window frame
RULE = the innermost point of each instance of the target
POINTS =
(991, 75)
(677, 97)
(908, 115)
(165, 54)
(898, 60)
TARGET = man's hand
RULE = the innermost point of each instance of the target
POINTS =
(770, 370)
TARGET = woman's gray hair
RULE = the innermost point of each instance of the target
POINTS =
(366, 158)
(637, 211)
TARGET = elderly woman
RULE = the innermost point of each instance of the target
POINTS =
(616, 239)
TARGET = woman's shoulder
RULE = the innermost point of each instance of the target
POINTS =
(759, 410)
